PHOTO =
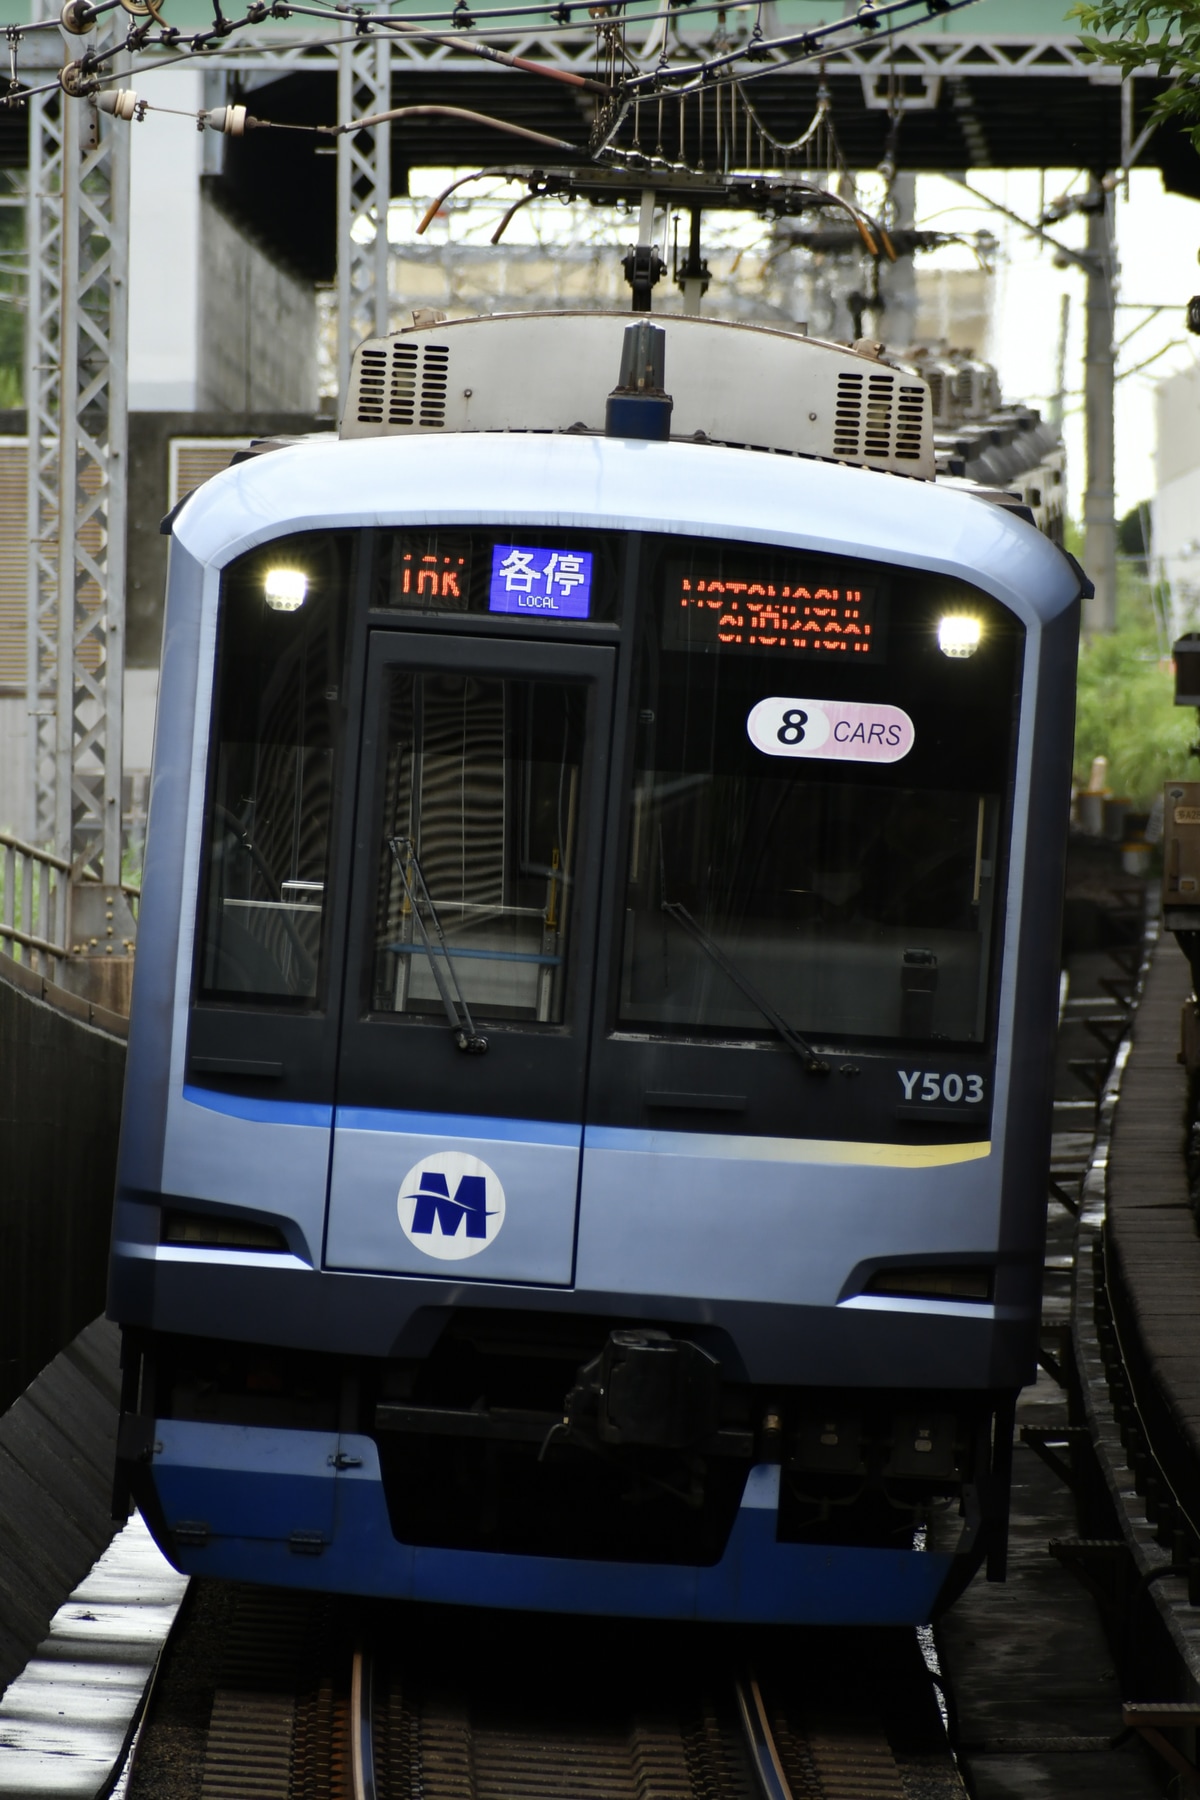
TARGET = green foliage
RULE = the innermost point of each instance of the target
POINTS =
(30, 904)
(1159, 37)
(12, 308)
(1125, 696)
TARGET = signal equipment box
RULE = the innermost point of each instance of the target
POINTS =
(1181, 855)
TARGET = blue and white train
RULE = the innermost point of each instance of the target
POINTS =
(589, 1073)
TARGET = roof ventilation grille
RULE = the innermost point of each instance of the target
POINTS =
(910, 422)
(847, 422)
(435, 376)
(373, 373)
(402, 401)
(877, 436)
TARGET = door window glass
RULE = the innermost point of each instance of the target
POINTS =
(277, 712)
(476, 844)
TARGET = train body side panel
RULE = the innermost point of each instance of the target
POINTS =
(775, 1220)
(376, 1160)
(300, 1522)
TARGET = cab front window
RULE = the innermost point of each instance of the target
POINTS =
(817, 800)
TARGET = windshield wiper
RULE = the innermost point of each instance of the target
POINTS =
(404, 853)
(813, 1062)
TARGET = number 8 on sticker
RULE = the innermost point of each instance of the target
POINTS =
(834, 730)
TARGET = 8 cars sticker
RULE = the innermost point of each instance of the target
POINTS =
(833, 730)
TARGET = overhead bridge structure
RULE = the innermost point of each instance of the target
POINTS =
(997, 84)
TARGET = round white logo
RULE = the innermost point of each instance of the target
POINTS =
(450, 1205)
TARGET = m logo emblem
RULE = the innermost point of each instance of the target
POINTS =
(450, 1205)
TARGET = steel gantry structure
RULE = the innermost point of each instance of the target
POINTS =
(954, 86)
(364, 188)
(75, 391)
(946, 97)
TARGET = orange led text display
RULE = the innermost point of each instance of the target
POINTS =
(763, 615)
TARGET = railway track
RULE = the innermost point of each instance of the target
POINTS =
(309, 1698)
(270, 1695)
(318, 1699)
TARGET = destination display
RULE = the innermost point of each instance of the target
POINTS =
(442, 578)
(541, 583)
(544, 577)
(732, 612)
(427, 571)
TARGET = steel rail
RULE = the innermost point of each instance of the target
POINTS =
(362, 1740)
(760, 1739)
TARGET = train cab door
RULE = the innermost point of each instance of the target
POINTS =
(469, 969)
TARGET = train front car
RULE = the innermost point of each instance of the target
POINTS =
(589, 1075)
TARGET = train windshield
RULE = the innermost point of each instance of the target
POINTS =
(277, 718)
(820, 775)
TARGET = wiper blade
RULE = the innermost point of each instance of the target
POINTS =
(813, 1062)
(404, 854)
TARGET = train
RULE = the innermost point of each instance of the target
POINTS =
(589, 1076)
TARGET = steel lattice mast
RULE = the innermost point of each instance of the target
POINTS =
(364, 187)
(77, 347)
(93, 438)
(43, 236)
(77, 343)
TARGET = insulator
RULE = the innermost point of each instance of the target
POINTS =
(122, 103)
(77, 17)
(73, 81)
(229, 119)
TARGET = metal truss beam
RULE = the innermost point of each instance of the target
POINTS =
(76, 348)
(933, 54)
(93, 437)
(364, 189)
(77, 343)
(43, 237)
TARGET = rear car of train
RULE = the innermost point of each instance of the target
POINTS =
(589, 1058)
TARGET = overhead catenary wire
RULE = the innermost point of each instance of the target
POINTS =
(203, 42)
(451, 112)
(475, 47)
(808, 42)
(88, 77)
(91, 63)
(806, 137)
(435, 206)
(235, 121)
(869, 19)
(516, 206)
(695, 10)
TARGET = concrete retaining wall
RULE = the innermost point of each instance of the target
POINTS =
(62, 1067)
(57, 1444)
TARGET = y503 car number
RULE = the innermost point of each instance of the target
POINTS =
(930, 1085)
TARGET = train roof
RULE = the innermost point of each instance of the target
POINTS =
(749, 387)
(570, 480)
